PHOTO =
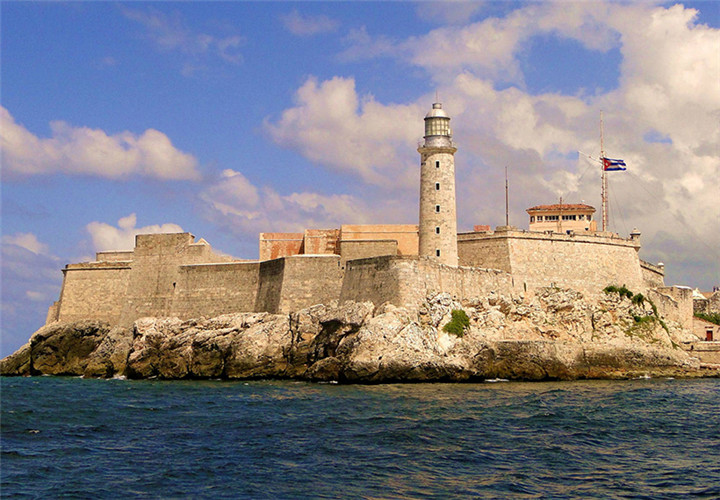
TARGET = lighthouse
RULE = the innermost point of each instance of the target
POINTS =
(438, 219)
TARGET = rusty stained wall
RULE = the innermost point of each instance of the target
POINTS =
(406, 235)
(276, 245)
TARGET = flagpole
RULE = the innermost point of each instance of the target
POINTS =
(604, 176)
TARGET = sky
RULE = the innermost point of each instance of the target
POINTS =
(226, 119)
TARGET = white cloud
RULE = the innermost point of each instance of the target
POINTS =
(668, 87)
(107, 237)
(86, 151)
(170, 33)
(306, 25)
(335, 127)
(236, 204)
(28, 241)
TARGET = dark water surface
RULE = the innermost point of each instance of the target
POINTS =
(77, 438)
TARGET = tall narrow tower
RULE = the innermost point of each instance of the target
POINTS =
(438, 220)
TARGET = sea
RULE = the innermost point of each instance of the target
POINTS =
(85, 438)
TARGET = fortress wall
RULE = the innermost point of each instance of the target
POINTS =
(674, 304)
(406, 235)
(483, 250)
(309, 280)
(276, 245)
(94, 290)
(321, 241)
(577, 263)
(270, 285)
(372, 280)
(363, 249)
(214, 289)
(407, 281)
(654, 276)
(155, 272)
(583, 262)
(463, 283)
(114, 256)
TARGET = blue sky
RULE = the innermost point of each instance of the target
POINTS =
(225, 119)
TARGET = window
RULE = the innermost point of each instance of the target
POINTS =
(437, 253)
(437, 186)
(568, 217)
(581, 217)
(437, 230)
(532, 218)
(437, 164)
(551, 217)
(437, 209)
(539, 218)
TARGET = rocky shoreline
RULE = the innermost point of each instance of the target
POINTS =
(555, 335)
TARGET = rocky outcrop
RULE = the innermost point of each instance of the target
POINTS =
(555, 334)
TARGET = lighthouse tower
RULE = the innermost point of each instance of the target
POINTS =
(438, 221)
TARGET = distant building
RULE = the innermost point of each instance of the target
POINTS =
(561, 218)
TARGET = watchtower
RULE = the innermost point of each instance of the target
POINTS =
(438, 212)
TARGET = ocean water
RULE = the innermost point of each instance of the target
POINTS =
(78, 438)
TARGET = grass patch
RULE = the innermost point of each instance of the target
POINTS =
(458, 324)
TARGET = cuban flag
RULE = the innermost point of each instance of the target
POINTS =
(609, 164)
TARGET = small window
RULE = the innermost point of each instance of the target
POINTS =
(532, 218)
(539, 218)
(437, 230)
(437, 186)
(437, 209)
(581, 217)
(437, 253)
(437, 164)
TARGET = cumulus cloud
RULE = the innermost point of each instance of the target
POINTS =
(307, 25)
(236, 204)
(122, 237)
(170, 33)
(335, 127)
(667, 88)
(28, 241)
(86, 151)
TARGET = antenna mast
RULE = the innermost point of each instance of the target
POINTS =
(604, 192)
(507, 211)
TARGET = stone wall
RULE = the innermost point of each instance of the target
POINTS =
(586, 263)
(276, 245)
(363, 249)
(114, 256)
(407, 281)
(308, 280)
(214, 289)
(406, 235)
(93, 290)
(654, 276)
(674, 304)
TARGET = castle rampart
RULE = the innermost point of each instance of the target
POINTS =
(584, 262)
(408, 281)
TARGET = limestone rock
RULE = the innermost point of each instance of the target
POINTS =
(551, 334)
(65, 348)
(17, 363)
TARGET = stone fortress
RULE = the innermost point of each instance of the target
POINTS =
(172, 275)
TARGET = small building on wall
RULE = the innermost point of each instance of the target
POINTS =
(562, 217)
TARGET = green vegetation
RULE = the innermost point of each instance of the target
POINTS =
(711, 317)
(638, 299)
(458, 323)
